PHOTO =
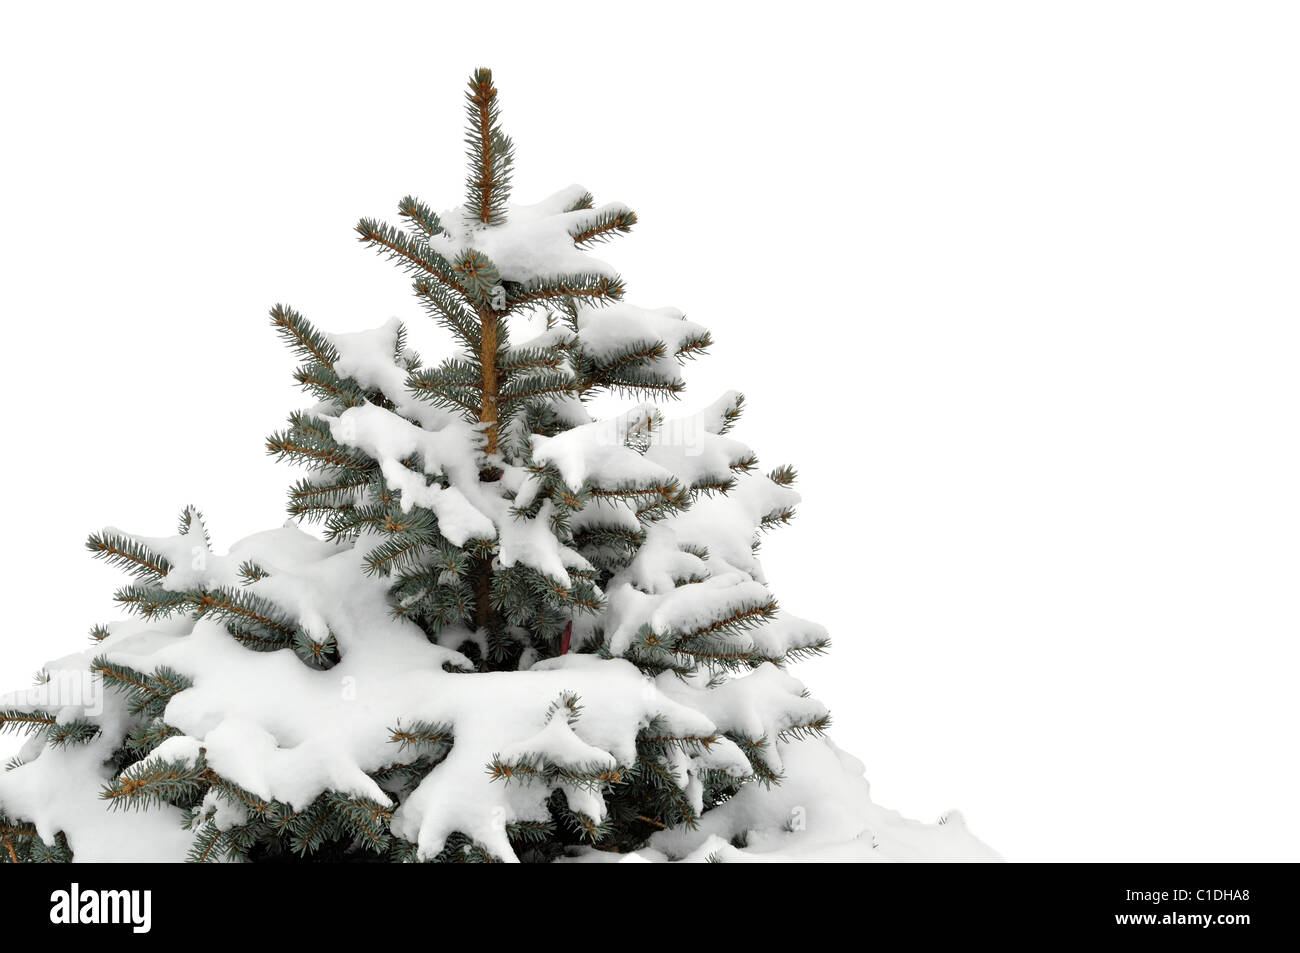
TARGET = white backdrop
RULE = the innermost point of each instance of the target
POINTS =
(1012, 284)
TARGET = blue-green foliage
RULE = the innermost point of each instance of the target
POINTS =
(514, 612)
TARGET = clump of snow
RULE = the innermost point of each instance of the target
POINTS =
(57, 789)
(604, 331)
(367, 358)
(534, 242)
(598, 452)
(466, 508)
(391, 439)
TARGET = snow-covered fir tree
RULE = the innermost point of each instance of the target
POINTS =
(496, 628)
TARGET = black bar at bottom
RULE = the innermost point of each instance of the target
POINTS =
(1230, 902)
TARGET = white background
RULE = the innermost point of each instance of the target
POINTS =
(1013, 284)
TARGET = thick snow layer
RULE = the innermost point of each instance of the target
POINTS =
(59, 791)
(681, 608)
(599, 452)
(283, 730)
(535, 241)
(369, 358)
(390, 439)
(763, 704)
(605, 331)
(466, 508)
(725, 525)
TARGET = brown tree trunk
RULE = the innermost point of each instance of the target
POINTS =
(488, 410)
(490, 415)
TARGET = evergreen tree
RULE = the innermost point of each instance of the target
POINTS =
(519, 633)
